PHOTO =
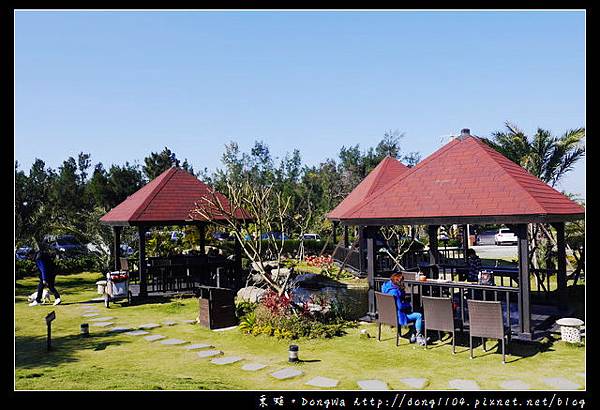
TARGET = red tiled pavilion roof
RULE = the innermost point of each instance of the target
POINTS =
(466, 180)
(386, 171)
(170, 197)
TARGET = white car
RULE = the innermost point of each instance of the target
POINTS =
(311, 237)
(505, 236)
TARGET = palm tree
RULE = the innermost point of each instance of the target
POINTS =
(545, 156)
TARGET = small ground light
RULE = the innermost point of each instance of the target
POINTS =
(293, 354)
(85, 329)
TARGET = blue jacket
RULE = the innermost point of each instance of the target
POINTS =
(45, 265)
(401, 306)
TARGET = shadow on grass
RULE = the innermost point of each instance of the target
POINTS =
(31, 351)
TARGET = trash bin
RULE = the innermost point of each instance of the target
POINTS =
(570, 329)
(217, 307)
(101, 286)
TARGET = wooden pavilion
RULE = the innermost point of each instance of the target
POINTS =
(464, 182)
(169, 200)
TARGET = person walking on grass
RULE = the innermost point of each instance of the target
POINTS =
(395, 286)
(47, 275)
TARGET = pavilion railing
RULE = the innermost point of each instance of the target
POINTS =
(460, 293)
(349, 258)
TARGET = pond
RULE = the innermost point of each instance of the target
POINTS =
(310, 286)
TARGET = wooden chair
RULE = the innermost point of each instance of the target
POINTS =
(486, 321)
(438, 316)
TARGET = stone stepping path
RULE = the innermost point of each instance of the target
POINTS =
(252, 367)
(320, 381)
(197, 346)
(169, 323)
(102, 319)
(154, 338)
(191, 322)
(415, 383)
(149, 326)
(561, 383)
(120, 329)
(288, 373)
(372, 385)
(514, 385)
(460, 384)
(209, 353)
(102, 324)
(173, 342)
(91, 314)
(226, 360)
(137, 333)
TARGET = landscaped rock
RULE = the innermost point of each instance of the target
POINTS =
(209, 353)
(137, 333)
(560, 383)
(460, 384)
(172, 342)
(514, 385)
(251, 294)
(153, 338)
(226, 360)
(149, 326)
(252, 367)
(169, 322)
(287, 373)
(320, 381)
(372, 385)
(197, 346)
(102, 324)
(415, 383)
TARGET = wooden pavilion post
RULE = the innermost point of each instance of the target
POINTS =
(561, 276)
(334, 232)
(117, 246)
(434, 257)
(202, 236)
(362, 248)
(465, 241)
(346, 239)
(369, 234)
(143, 268)
(524, 285)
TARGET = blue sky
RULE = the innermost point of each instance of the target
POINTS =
(122, 84)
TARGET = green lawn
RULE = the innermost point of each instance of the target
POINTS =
(108, 361)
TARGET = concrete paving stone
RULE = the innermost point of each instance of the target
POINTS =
(320, 381)
(172, 342)
(102, 319)
(149, 326)
(514, 385)
(461, 384)
(226, 360)
(189, 321)
(153, 338)
(372, 385)
(102, 324)
(120, 329)
(90, 315)
(288, 373)
(561, 383)
(137, 333)
(415, 382)
(169, 322)
(209, 353)
(197, 346)
(100, 299)
(252, 367)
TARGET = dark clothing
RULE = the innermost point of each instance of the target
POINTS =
(474, 264)
(47, 269)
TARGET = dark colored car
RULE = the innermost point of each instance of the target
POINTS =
(275, 235)
(24, 252)
(68, 245)
(222, 236)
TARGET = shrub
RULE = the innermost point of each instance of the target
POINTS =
(25, 268)
(243, 308)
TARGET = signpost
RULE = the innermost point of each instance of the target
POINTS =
(49, 318)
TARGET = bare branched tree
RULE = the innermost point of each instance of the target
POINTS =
(253, 214)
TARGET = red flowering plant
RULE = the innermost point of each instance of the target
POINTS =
(277, 304)
(119, 277)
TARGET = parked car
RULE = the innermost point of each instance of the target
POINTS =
(176, 235)
(311, 237)
(222, 236)
(67, 245)
(275, 235)
(505, 236)
(24, 252)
